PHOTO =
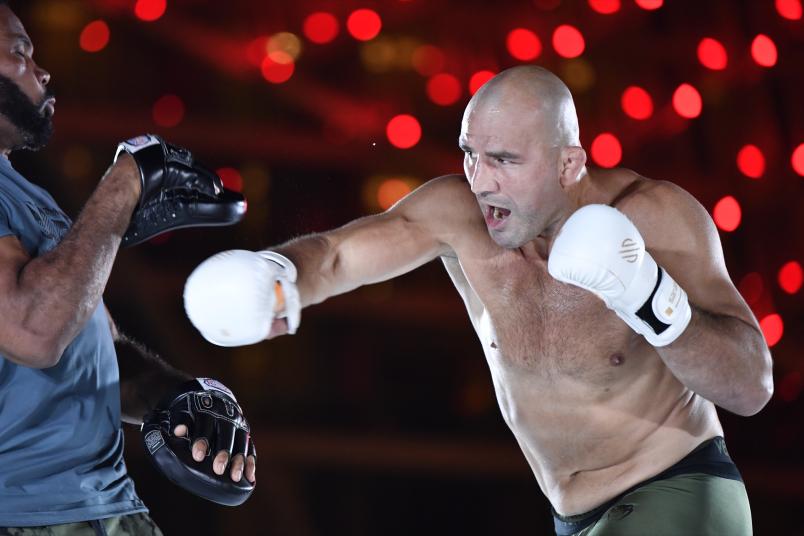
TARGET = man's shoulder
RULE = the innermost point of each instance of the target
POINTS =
(444, 197)
(644, 198)
(446, 207)
(662, 210)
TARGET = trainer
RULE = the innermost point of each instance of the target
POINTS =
(600, 298)
(62, 397)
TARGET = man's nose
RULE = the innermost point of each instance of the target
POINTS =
(42, 75)
(482, 179)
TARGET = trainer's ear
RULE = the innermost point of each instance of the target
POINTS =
(573, 160)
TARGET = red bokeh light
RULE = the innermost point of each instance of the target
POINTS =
(772, 328)
(444, 89)
(712, 54)
(606, 7)
(428, 60)
(150, 10)
(403, 131)
(168, 111)
(478, 79)
(763, 50)
(751, 287)
(606, 150)
(789, 9)
(650, 5)
(320, 27)
(568, 41)
(727, 214)
(751, 161)
(687, 101)
(231, 178)
(257, 50)
(797, 160)
(790, 277)
(637, 103)
(277, 72)
(364, 24)
(523, 44)
(94, 37)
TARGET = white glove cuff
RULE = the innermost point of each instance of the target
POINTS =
(287, 278)
(668, 307)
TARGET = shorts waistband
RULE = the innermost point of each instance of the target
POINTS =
(710, 458)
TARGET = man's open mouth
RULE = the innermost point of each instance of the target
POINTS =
(496, 215)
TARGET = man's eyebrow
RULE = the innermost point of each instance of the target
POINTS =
(26, 41)
(503, 155)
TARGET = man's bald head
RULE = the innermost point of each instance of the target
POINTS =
(537, 93)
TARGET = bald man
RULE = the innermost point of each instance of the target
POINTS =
(600, 298)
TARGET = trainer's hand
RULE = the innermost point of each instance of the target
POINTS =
(125, 169)
(199, 451)
(195, 433)
(600, 250)
(241, 297)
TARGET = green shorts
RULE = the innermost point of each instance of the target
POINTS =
(131, 525)
(702, 495)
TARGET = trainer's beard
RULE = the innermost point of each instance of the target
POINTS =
(35, 126)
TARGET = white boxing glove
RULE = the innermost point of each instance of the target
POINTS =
(231, 297)
(600, 250)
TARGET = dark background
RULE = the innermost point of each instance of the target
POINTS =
(379, 416)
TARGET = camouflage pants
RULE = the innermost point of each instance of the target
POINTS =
(131, 525)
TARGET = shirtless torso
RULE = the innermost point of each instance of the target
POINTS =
(592, 406)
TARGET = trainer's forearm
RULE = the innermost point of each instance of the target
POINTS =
(723, 359)
(59, 290)
(144, 379)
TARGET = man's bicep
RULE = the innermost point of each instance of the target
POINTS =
(413, 232)
(13, 339)
(380, 247)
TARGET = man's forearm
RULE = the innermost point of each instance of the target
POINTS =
(316, 261)
(144, 379)
(723, 359)
(59, 290)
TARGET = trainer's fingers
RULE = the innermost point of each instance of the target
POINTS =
(220, 462)
(182, 423)
(200, 448)
(251, 469)
(201, 433)
(238, 462)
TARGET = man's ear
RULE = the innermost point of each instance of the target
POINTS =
(573, 160)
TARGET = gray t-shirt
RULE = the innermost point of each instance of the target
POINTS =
(61, 442)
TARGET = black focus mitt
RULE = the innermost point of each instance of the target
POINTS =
(177, 191)
(210, 412)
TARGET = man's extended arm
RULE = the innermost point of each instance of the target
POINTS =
(369, 250)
